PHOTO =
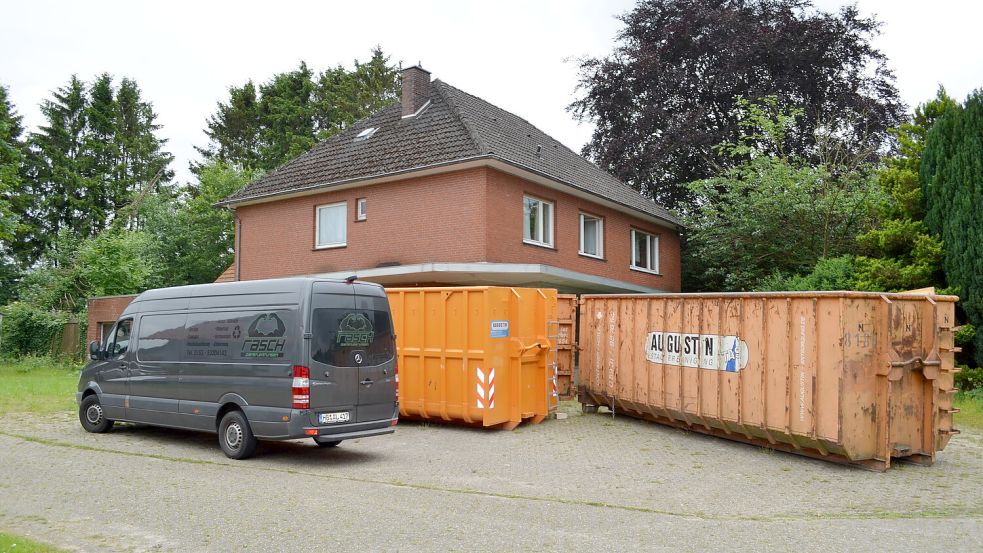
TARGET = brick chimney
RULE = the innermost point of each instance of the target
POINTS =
(416, 89)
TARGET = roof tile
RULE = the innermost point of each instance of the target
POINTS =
(455, 126)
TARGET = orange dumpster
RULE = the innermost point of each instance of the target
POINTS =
(853, 377)
(480, 356)
(566, 307)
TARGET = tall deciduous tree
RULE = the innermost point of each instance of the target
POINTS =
(952, 173)
(194, 239)
(772, 213)
(263, 128)
(665, 98)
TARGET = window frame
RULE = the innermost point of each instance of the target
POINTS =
(110, 348)
(361, 211)
(652, 245)
(600, 236)
(317, 226)
(542, 223)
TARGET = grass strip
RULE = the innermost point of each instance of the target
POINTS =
(9, 543)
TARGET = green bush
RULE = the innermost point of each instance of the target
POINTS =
(28, 330)
(36, 363)
(970, 380)
(964, 335)
(831, 273)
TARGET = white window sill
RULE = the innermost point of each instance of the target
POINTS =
(540, 244)
(644, 270)
(330, 246)
(592, 256)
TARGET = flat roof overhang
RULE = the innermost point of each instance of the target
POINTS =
(493, 274)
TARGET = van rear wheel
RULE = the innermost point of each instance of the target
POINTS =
(92, 417)
(324, 442)
(235, 437)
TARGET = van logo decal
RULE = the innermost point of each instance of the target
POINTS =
(267, 325)
(355, 330)
(265, 337)
(704, 351)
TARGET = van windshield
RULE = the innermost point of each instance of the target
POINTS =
(352, 337)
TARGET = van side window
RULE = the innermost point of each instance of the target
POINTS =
(161, 337)
(121, 339)
(338, 334)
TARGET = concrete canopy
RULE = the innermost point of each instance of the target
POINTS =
(492, 274)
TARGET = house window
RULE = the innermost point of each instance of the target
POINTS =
(360, 209)
(538, 222)
(644, 251)
(591, 236)
(332, 225)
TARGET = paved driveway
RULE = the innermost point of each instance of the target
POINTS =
(587, 483)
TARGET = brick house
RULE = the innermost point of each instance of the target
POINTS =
(445, 188)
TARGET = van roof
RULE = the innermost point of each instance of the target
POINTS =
(272, 291)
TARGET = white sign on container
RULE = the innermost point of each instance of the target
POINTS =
(705, 351)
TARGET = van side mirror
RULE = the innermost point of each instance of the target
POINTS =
(95, 352)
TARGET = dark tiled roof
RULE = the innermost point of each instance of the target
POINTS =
(455, 126)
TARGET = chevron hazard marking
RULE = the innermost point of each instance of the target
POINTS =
(485, 388)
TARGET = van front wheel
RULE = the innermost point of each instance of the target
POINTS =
(235, 437)
(322, 442)
(92, 417)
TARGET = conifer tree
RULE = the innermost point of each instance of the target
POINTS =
(96, 150)
(901, 254)
(264, 127)
(12, 160)
(952, 182)
(58, 185)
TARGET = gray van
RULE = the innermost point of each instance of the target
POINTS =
(268, 359)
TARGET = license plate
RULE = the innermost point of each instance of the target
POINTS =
(329, 418)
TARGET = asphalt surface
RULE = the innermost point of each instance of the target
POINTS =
(586, 483)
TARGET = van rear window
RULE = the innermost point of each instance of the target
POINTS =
(352, 337)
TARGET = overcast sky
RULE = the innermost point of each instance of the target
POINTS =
(519, 55)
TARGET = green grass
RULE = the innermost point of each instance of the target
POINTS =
(44, 385)
(10, 543)
(970, 413)
(37, 385)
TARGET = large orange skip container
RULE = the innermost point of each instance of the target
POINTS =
(846, 376)
(481, 356)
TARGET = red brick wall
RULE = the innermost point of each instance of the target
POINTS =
(505, 245)
(419, 220)
(104, 310)
(463, 216)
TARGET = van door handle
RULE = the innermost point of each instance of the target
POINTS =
(366, 382)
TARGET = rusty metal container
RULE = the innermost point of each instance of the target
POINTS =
(480, 356)
(566, 344)
(853, 377)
